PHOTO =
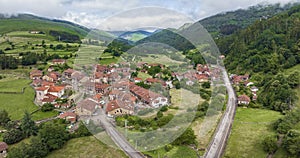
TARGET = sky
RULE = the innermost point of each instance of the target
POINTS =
(128, 14)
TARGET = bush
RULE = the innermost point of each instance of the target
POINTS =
(270, 144)
(13, 136)
(47, 107)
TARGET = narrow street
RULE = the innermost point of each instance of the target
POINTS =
(117, 137)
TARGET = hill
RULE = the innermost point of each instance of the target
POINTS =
(265, 50)
(27, 22)
(135, 35)
(229, 22)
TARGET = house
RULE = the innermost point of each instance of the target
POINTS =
(63, 106)
(202, 68)
(36, 74)
(248, 83)
(48, 94)
(202, 77)
(49, 98)
(34, 32)
(58, 61)
(98, 98)
(117, 108)
(137, 80)
(254, 89)
(58, 91)
(3, 148)
(254, 98)
(52, 77)
(86, 107)
(151, 98)
(151, 81)
(241, 78)
(69, 116)
(50, 69)
(68, 73)
(102, 88)
(41, 92)
(243, 99)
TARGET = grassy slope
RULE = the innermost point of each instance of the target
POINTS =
(86, 147)
(32, 23)
(249, 128)
(16, 104)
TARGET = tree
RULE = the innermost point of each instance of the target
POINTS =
(4, 118)
(270, 144)
(206, 85)
(19, 152)
(53, 135)
(291, 143)
(13, 136)
(82, 131)
(187, 138)
(28, 126)
(47, 107)
(37, 148)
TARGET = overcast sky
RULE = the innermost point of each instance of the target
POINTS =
(127, 14)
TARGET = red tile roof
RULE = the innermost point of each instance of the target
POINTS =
(244, 98)
(41, 88)
(49, 98)
(3, 146)
(56, 88)
(67, 114)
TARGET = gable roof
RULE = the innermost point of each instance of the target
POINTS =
(244, 98)
(3, 146)
(56, 88)
(67, 114)
(87, 104)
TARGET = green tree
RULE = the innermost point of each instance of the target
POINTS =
(53, 135)
(13, 136)
(187, 138)
(21, 151)
(28, 126)
(4, 118)
(270, 144)
(37, 148)
(47, 107)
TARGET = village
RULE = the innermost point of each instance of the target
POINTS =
(115, 88)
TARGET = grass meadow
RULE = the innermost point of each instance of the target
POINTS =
(249, 129)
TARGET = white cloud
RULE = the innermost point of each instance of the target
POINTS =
(92, 13)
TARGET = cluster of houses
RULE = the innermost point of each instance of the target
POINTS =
(243, 80)
(203, 73)
(110, 88)
(113, 89)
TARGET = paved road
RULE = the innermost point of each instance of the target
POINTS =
(118, 138)
(218, 143)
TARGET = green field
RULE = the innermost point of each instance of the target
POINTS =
(43, 115)
(14, 85)
(86, 147)
(17, 104)
(143, 75)
(249, 129)
(30, 23)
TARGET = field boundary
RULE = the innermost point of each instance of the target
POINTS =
(22, 91)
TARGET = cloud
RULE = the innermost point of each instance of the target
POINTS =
(50, 8)
(92, 13)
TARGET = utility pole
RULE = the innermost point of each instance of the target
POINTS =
(59, 38)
